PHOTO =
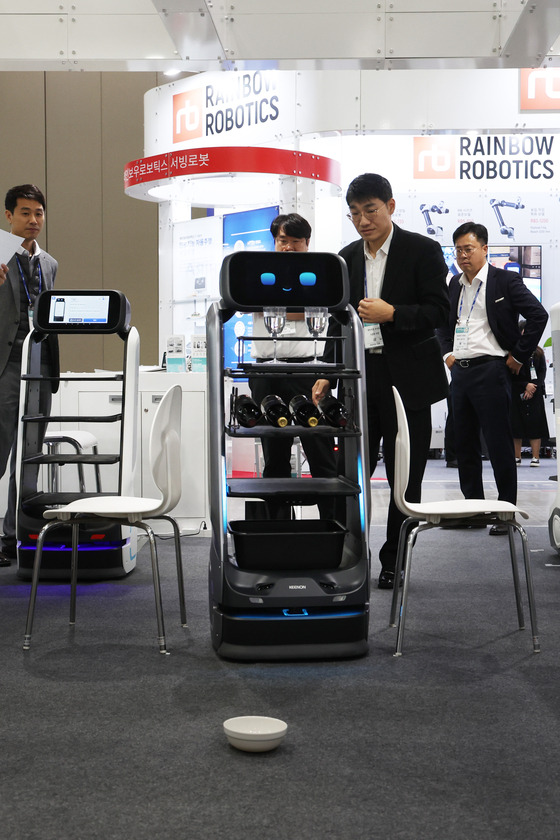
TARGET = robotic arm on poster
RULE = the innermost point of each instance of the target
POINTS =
(495, 205)
(425, 209)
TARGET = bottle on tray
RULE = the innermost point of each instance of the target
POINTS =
(275, 411)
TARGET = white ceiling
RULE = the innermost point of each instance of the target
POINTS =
(195, 35)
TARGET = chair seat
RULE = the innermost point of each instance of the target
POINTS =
(109, 507)
(435, 512)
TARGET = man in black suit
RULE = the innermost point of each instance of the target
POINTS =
(30, 271)
(483, 347)
(398, 286)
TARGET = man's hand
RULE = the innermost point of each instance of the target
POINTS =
(375, 311)
(514, 366)
(320, 389)
(450, 361)
(3, 273)
(530, 390)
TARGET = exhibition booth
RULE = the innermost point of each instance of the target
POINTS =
(225, 152)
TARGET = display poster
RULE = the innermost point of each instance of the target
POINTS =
(248, 230)
(506, 182)
(197, 257)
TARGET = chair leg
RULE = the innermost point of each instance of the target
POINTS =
(35, 582)
(530, 590)
(95, 451)
(74, 571)
(398, 567)
(515, 571)
(179, 561)
(81, 479)
(410, 542)
(157, 585)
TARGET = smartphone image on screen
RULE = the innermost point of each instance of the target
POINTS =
(58, 314)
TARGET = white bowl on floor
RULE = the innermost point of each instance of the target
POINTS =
(254, 733)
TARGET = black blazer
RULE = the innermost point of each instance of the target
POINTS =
(415, 284)
(10, 313)
(507, 297)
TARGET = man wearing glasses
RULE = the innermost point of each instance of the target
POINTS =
(292, 233)
(483, 347)
(398, 286)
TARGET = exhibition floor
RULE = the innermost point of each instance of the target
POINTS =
(102, 737)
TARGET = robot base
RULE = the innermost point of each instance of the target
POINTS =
(290, 634)
(104, 553)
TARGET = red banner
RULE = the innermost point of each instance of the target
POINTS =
(219, 159)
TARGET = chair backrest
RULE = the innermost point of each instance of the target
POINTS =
(165, 449)
(402, 456)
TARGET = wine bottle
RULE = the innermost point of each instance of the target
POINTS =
(303, 411)
(334, 411)
(247, 412)
(275, 410)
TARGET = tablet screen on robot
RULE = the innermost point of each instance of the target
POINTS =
(81, 310)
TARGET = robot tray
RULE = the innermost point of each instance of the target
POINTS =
(287, 545)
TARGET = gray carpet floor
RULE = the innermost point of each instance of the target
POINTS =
(103, 737)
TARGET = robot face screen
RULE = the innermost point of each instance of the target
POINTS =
(261, 278)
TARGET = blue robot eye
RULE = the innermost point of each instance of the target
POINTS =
(268, 278)
(307, 278)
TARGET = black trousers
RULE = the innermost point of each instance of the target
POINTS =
(277, 451)
(481, 402)
(382, 424)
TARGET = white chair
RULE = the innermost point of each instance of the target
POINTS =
(165, 463)
(425, 515)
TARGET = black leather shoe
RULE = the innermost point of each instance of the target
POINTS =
(387, 579)
(5, 559)
(498, 530)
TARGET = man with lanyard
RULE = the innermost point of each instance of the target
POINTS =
(483, 347)
(397, 286)
(26, 275)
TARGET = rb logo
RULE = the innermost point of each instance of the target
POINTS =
(187, 115)
(434, 157)
(539, 90)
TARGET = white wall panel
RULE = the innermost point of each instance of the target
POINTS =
(294, 7)
(169, 6)
(118, 36)
(494, 6)
(320, 95)
(311, 36)
(448, 35)
(393, 101)
(33, 7)
(111, 7)
(33, 37)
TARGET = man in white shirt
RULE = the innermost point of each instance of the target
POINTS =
(291, 233)
(483, 348)
(397, 286)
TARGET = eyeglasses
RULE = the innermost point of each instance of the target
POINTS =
(467, 251)
(368, 212)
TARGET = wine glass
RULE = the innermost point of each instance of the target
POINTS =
(274, 321)
(316, 319)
